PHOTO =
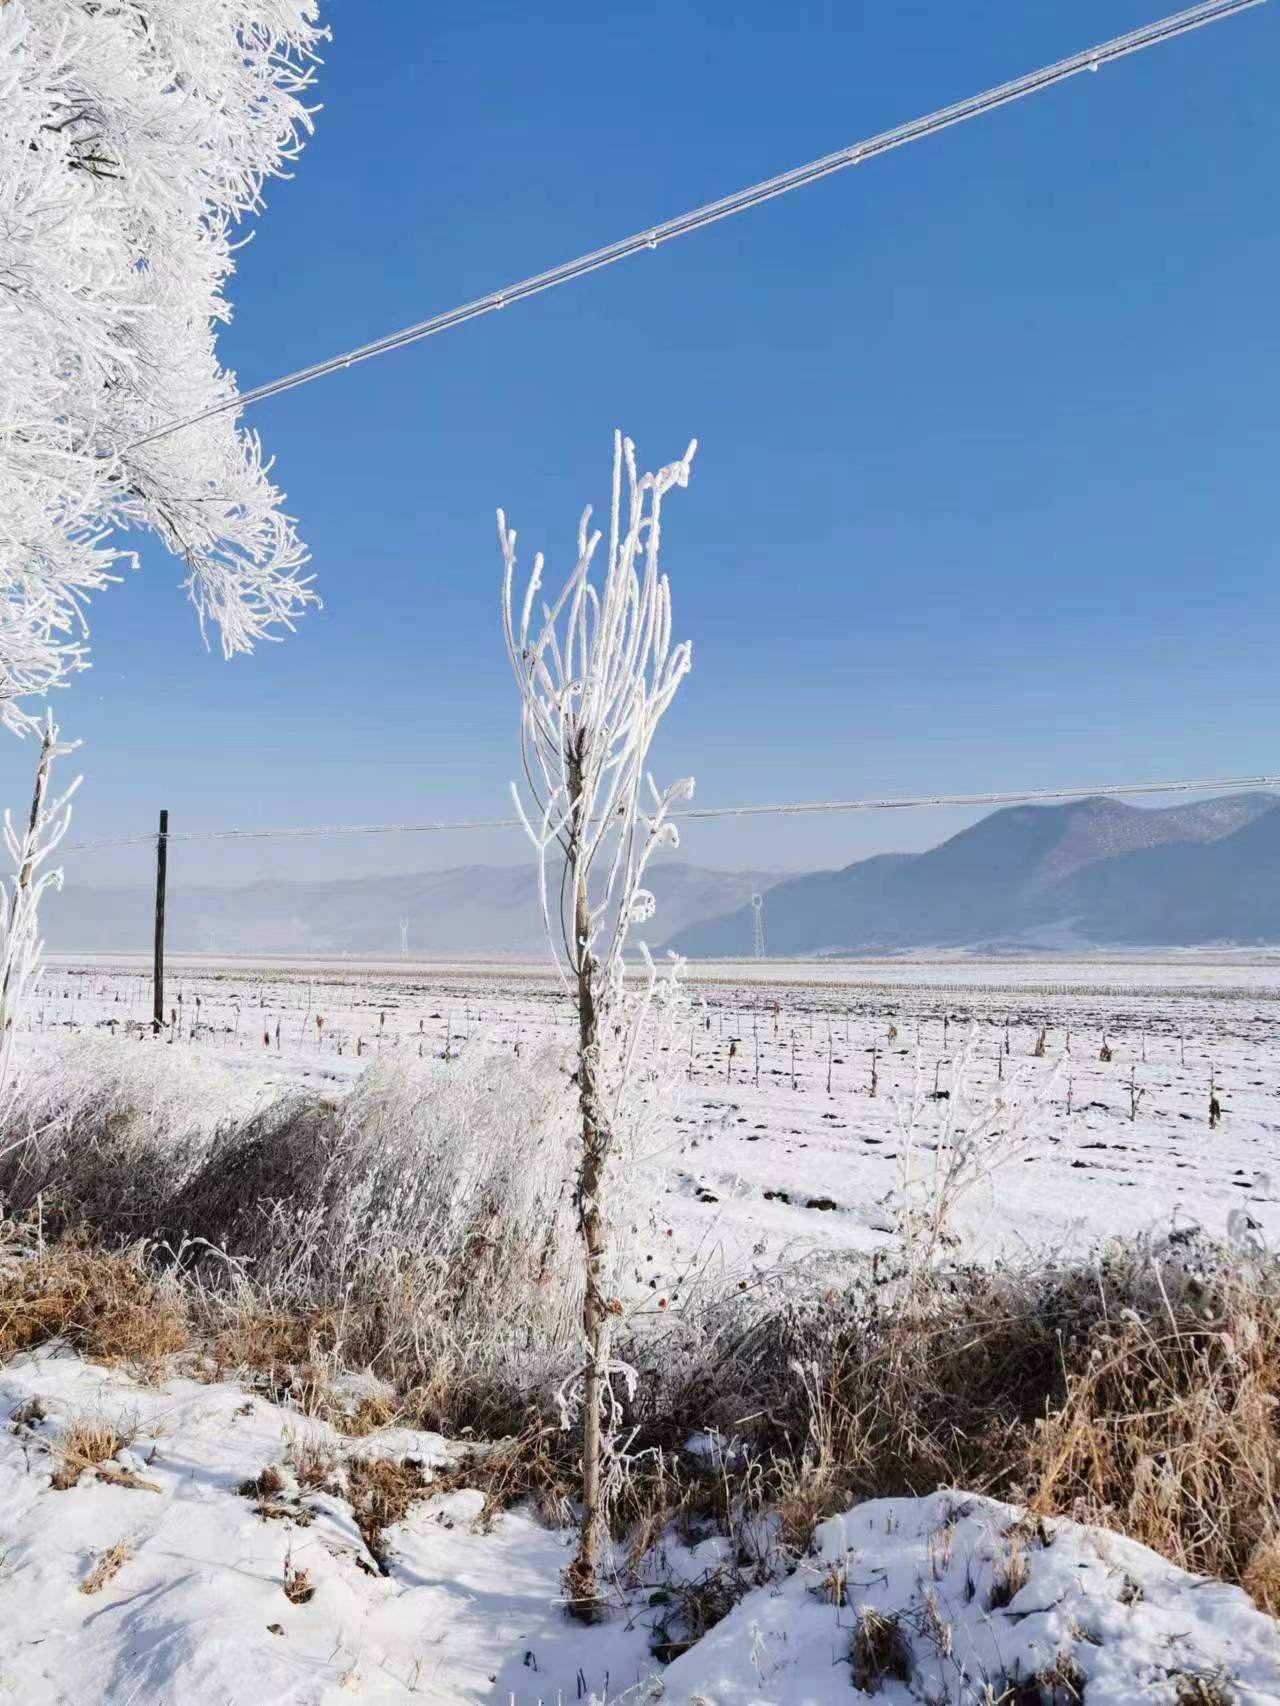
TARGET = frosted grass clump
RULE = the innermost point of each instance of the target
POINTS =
(428, 1214)
(953, 1139)
(460, 1172)
(109, 1128)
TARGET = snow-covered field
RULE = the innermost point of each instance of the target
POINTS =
(153, 1578)
(780, 1142)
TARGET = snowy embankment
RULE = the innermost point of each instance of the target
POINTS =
(223, 1549)
(964, 1599)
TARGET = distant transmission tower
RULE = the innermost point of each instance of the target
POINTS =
(404, 936)
(757, 927)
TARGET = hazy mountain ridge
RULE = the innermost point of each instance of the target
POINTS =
(471, 909)
(1093, 871)
(1116, 873)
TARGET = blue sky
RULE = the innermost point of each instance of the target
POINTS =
(986, 491)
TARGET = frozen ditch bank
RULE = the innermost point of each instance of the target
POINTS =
(188, 1542)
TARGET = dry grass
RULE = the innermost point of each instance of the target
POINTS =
(381, 1491)
(287, 1351)
(420, 1227)
(1011, 1575)
(1167, 1431)
(85, 1444)
(1261, 1576)
(804, 1494)
(1140, 1393)
(108, 1566)
(297, 1586)
(105, 1305)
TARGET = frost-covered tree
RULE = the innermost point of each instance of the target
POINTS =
(596, 670)
(134, 135)
(29, 849)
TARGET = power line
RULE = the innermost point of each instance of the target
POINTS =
(1151, 35)
(1023, 796)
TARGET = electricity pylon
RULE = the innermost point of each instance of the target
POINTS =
(757, 931)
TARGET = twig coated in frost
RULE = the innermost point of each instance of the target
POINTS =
(130, 146)
(596, 669)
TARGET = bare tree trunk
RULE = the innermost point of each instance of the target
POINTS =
(581, 1579)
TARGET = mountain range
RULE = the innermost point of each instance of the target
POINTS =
(470, 910)
(1089, 873)
(1094, 872)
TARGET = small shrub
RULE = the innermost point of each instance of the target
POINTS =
(690, 1609)
(880, 1652)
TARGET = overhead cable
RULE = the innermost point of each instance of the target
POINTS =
(857, 153)
(1023, 796)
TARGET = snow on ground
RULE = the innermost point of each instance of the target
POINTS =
(198, 1612)
(763, 1159)
(779, 1145)
(1119, 1624)
(196, 1608)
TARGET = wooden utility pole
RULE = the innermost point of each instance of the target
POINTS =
(162, 860)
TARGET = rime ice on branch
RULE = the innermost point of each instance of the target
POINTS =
(596, 670)
(28, 849)
(132, 139)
